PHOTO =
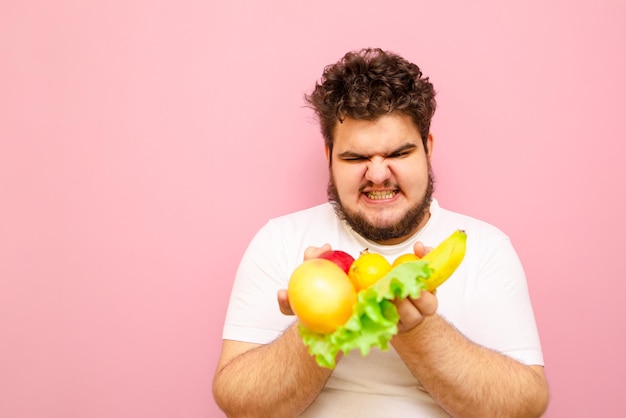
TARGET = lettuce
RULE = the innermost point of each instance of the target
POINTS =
(374, 320)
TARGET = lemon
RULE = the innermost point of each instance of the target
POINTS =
(404, 258)
(367, 269)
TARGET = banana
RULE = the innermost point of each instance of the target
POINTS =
(445, 258)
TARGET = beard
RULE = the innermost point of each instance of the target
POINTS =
(403, 227)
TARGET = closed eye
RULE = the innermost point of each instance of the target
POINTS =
(400, 154)
(352, 157)
(403, 151)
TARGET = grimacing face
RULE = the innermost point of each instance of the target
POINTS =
(381, 181)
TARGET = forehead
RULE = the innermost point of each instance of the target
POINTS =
(381, 134)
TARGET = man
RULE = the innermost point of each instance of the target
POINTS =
(470, 351)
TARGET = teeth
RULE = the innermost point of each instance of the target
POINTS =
(381, 194)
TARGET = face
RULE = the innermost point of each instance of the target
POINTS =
(380, 177)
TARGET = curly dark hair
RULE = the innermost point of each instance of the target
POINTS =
(368, 84)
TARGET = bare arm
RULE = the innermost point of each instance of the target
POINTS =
(467, 380)
(279, 379)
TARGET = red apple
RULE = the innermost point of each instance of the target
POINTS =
(341, 258)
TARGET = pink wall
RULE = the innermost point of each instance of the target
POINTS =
(143, 143)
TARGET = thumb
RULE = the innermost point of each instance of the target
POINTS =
(283, 302)
(313, 252)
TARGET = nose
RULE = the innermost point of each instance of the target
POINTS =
(377, 170)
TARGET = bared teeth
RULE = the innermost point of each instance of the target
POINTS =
(381, 194)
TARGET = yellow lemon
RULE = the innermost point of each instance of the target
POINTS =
(367, 269)
(404, 258)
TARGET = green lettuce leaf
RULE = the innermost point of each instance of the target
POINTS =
(374, 320)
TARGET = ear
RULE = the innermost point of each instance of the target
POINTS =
(327, 153)
(430, 143)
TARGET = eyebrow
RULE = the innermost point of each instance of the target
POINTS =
(403, 148)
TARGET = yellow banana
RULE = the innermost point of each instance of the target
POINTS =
(445, 258)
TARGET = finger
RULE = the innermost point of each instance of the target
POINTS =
(283, 302)
(410, 316)
(427, 303)
(413, 311)
(313, 252)
(419, 249)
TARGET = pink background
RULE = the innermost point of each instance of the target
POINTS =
(143, 143)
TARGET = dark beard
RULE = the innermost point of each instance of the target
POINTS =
(403, 227)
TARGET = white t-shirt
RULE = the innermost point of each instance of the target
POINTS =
(486, 299)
